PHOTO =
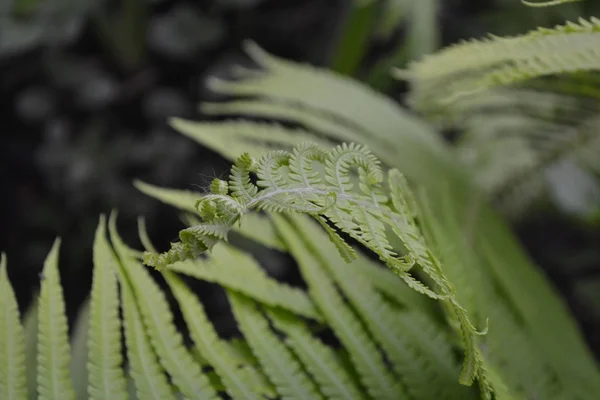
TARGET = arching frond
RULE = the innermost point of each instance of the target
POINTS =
(291, 182)
(477, 65)
(423, 362)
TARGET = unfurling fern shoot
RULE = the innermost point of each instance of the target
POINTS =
(322, 183)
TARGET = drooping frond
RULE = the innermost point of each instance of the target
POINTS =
(421, 357)
(477, 65)
(286, 373)
(318, 182)
(158, 320)
(53, 358)
(364, 355)
(12, 343)
(105, 372)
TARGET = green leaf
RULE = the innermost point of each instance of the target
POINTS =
(158, 320)
(237, 271)
(239, 382)
(278, 362)
(148, 375)
(365, 356)
(319, 360)
(53, 377)
(12, 344)
(105, 374)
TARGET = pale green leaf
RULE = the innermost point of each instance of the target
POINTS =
(105, 372)
(53, 359)
(281, 367)
(12, 344)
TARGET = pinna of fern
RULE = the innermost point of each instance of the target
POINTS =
(318, 182)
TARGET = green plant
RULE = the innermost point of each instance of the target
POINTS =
(525, 104)
(393, 342)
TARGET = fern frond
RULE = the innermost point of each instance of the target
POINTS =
(278, 362)
(30, 324)
(477, 65)
(158, 320)
(364, 354)
(237, 271)
(320, 360)
(12, 343)
(240, 382)
(53, 377)
(364, 213)
(514, 138)
(79, 351)
(424, 364)
(105, 372)
(147, 374)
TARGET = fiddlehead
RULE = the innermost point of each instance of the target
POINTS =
(343, 187)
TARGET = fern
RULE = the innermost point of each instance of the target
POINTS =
(279, 363)
(424, 363)
(12, 343)
(166, 341)
(106, 380)
(477, 65)
(53, 378)
(334, 381)
(290, 182)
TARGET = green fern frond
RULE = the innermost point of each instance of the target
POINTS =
(364, 213)
(237, 271)
(158, 320)
(425, 364)
(30, 324)
(240, 382)
(105, 372)
(79, 351)
(366, 359)
(477, 65)
(148, 375)
(319, 360)
(53, 358)
(12, 342)
(286, 373)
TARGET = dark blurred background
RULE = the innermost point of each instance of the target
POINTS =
(86, 88)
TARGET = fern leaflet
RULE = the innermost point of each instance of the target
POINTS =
(105, 373)
(53, 377)
(12, 343)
